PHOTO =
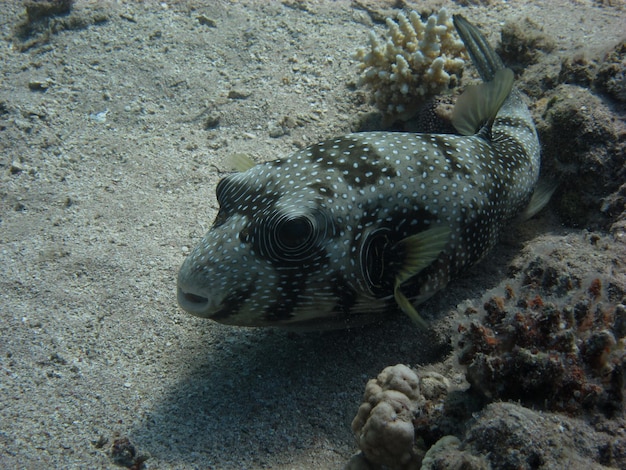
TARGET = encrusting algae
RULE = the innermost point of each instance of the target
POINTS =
(550, 339)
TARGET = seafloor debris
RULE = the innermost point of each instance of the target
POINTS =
(125, 454)
(44, 18)
(37, 9)
(416, 61)
(611, 77)
(522, 43)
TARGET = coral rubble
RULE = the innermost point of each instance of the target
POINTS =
(583, 146)
(416, 61)
(558, 355)
(611, 77)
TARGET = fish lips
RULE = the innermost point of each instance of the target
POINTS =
(195, 304)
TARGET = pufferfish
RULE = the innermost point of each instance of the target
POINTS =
(349, 229)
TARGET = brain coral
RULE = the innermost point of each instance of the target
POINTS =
(395, 407)
(416, 61)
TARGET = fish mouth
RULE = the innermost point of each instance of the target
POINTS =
(195, 304)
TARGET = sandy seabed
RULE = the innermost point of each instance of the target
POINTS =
(114, 127)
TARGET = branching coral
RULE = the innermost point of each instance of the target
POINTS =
(415, 62)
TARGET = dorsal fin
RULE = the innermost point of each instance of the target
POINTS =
(240, 162)
(479, 104)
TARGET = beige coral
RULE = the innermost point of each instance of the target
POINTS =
(389, 426)
(384, 422)
(417, 61)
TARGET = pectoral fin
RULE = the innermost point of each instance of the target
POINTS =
(420, 250)
(541, 196)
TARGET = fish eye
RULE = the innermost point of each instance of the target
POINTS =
(291, 237)
(294, 233)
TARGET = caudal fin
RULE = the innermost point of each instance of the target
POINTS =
(485, 59)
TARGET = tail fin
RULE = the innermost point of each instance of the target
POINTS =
(485, 59)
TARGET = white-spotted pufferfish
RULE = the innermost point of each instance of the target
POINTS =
(343, 231)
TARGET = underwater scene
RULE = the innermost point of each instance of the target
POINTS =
(313, 234)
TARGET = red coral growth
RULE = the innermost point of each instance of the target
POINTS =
(495, 310)
(595, 289)
(559, 357)
(509, 292)
(536, 303)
